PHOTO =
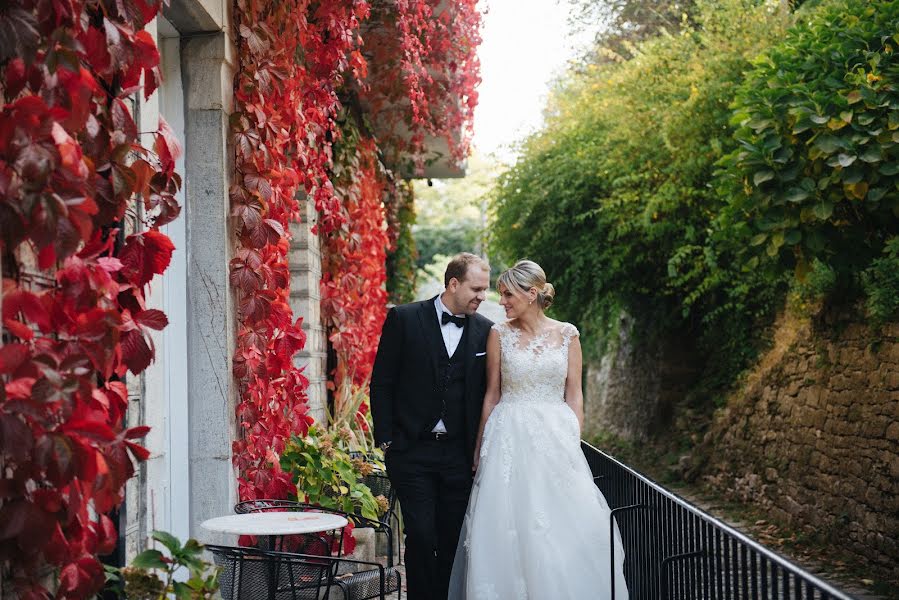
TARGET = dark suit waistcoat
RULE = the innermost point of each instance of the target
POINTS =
(405, 395)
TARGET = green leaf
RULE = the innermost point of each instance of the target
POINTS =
(182, 590)
(758, 239)
(856, 190)
(893, 121)
(797, 195)
(889, 169)
(150, 559)
(793, 237)
(761, 177)
(854, 96)
(871, 155)
(853, 175)
(827, 144)
(192, 546)
(777, 239)
(876, 194)
(167, 540)
(845, 160)
(814, 241)
(824, 209)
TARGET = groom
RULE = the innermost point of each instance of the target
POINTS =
(427, 388)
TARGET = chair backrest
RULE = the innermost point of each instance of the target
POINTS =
(253, 574)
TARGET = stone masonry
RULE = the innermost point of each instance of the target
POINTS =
(813, 437)
(632, 390)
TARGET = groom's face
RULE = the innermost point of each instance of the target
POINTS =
(468, 294)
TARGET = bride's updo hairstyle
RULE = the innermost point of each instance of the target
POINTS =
(527, 274)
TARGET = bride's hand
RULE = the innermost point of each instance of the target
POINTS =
(477, 459)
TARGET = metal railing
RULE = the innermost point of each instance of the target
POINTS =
(675, 551)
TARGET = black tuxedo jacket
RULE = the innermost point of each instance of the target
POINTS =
(404, 400)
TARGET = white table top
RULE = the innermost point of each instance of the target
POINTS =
(275, 523)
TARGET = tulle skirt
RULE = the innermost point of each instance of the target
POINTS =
(537, 527)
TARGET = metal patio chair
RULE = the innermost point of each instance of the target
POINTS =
(254, 574)
(357, 585)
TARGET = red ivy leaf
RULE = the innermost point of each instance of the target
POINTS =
(136, 353)
(19, 329)
(135, 433)
(243, 277)
(146, 254)
(139, 452)
(94, 430)
(167, 146)
(16, 438)
(152, 318)
(19, 35)
(257, 183)
(11, 357)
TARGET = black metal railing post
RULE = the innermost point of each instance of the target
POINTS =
(673, 549)
(614, 512)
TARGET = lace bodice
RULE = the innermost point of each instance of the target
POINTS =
(536, 370)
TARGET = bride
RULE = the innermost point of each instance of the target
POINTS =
(536, 526)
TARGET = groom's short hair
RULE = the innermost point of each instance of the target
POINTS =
(459, 264)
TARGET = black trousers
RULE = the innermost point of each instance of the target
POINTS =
(432, 481)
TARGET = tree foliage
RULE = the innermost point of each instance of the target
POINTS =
(685, 184)
(816, 172)
(613, 198)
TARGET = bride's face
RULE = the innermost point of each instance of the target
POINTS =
(515, 304)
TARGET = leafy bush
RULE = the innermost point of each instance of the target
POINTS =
(141, 580)
(614, 197)
(881, 284)
(326, 474)
(816, 173)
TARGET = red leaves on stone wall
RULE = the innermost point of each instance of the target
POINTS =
(296, 58)
(354, 299)
(74, 314)
(423, 73)
(282, 127)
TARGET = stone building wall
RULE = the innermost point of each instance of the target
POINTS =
(813, 437)
(305, 262)
(632, 389)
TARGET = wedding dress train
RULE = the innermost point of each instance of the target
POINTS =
(537, 527)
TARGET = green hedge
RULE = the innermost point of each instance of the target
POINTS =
(695, 183)
(615, 198)
(816, 172)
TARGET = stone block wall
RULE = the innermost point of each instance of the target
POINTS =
(305, 262)
(632, 389)
(813, 437)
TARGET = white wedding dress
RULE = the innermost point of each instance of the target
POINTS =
(537, 527)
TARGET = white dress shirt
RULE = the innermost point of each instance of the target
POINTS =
(452, 334)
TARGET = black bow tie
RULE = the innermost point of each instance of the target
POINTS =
(448, 318)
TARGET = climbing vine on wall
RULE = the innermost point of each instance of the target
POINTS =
(403, 253)
(354, 299)
(297, 60)
(75, 322)
(283, 108)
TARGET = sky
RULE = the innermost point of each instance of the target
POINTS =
(526, 43)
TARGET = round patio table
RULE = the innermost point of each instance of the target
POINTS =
(275, 523)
